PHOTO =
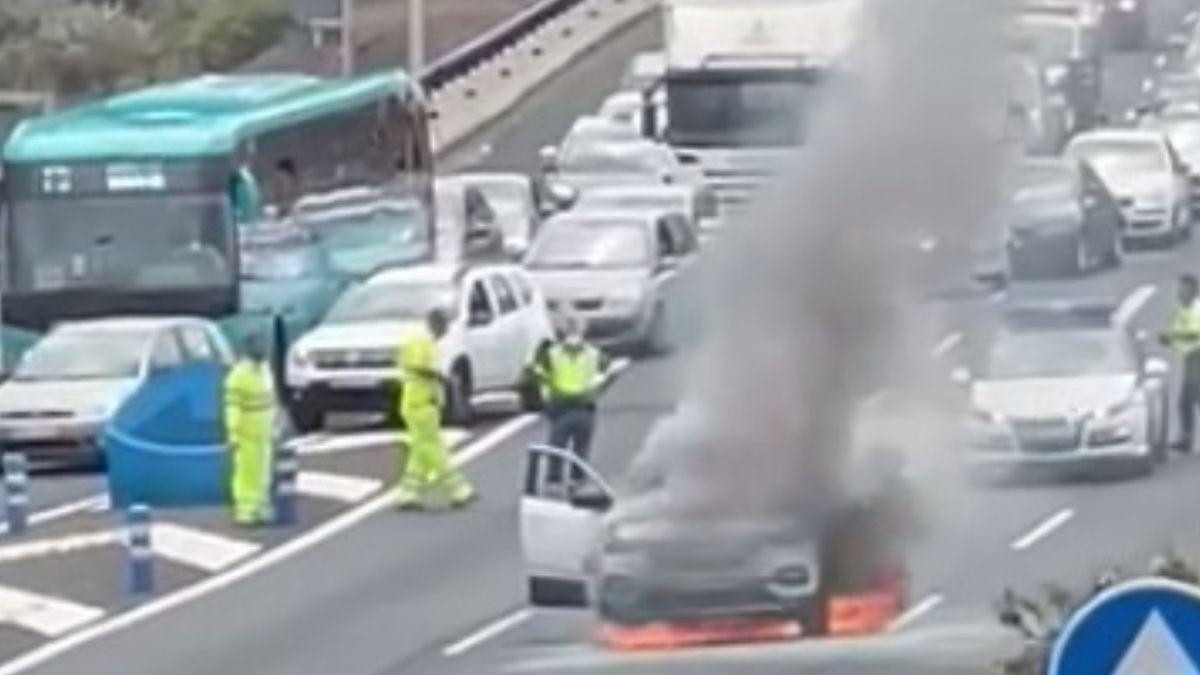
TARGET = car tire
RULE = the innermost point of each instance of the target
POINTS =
(546, 592)
(459, 410)
(530, 393)
(308, 417)
(655, 342)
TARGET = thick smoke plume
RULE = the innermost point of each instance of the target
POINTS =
(813, 298)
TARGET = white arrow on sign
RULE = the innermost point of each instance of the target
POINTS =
(1156, 651)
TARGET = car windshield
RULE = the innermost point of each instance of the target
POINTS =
(393, 302)
(280, 262)
(613, 245)
(615, 158)
(361, 240)
(84, 355)
(1057, 354)
(512, 204)
(1117, 160)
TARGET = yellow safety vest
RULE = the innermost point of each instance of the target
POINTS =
(1186, 321)
(418, 354)
(249, 404)
(572, 374)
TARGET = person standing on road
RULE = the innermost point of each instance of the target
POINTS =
(1183, 336)
(571, 372)
(427, 466)
(249, 408)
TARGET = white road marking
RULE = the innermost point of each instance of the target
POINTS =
(197, 548)
(916, 612)
(270, 558)
(58, 545)
(491, 630)
(349, 489)
(1133, 303)
(325, 444)
(43, 614)
(949, 342)
(1043, 529)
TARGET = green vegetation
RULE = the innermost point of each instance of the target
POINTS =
(1040, 618)
(86, 47)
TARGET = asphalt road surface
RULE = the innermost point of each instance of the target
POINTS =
(443, 594)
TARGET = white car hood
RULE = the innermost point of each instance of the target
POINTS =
(1040, 397)
(1142, 187)
(78, 398)
(587, 284)
(358, 335)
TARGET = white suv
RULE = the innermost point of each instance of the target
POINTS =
(348, 363)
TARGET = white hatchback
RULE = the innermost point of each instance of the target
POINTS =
(498, 319)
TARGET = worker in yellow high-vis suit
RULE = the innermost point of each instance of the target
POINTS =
(429, 477)
(249, 399)
(1183, 336)
(571, 372)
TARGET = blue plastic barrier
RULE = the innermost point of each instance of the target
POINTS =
(164, 446)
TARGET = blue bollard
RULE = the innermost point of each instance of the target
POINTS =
(286, 470)
(16, 492)
(139, 576)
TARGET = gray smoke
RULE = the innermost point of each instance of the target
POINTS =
(812, 299)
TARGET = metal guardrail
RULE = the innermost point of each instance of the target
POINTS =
(482, 49)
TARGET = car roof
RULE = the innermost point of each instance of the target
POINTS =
(128, 323)
(637, 190)
(589, 123)
(492, 177)
(1061, 163)
(587, 216)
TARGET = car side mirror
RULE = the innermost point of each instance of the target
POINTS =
(961, 377)
(563, 196)
(479, 318)
(1156, 368)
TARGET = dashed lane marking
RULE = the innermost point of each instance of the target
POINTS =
(44, 614)
(349, 489)
(916, 612)
(946, 344)
(197, 548)
(58, 545)
(1133, 303)
(1043, 529)
(489, 631)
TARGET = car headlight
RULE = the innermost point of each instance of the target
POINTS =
(1115, 424)
(299, 359)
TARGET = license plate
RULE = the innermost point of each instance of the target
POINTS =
(356, 383)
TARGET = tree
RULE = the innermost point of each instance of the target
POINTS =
(223, 34)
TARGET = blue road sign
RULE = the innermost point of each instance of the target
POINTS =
(1143, 627)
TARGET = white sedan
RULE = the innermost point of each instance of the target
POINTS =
(1071, 396)
(348, 363)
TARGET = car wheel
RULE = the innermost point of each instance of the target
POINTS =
(458, 396)
(655, 343)
(308, 417)
(530, 393)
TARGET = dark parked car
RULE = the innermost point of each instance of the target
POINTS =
(1062, 220)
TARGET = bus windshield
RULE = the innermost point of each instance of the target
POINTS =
(728, 112)
(128, 242)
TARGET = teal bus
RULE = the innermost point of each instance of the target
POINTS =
(138, 203)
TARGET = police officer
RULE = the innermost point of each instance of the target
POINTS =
(1183, 336)
(249, 408)
(571, 373)
(427, 468)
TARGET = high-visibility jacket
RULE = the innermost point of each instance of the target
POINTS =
(571, 375)
(249, 405)
(418, 356)
(1185, 328)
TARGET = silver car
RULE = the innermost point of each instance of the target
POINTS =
(68, 385)
(586, 167)
(1149, 180)
(1062, 390)
(611, 269)
(700, 209)
(514, 204)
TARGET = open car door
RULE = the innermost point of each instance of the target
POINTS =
(560, 532)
